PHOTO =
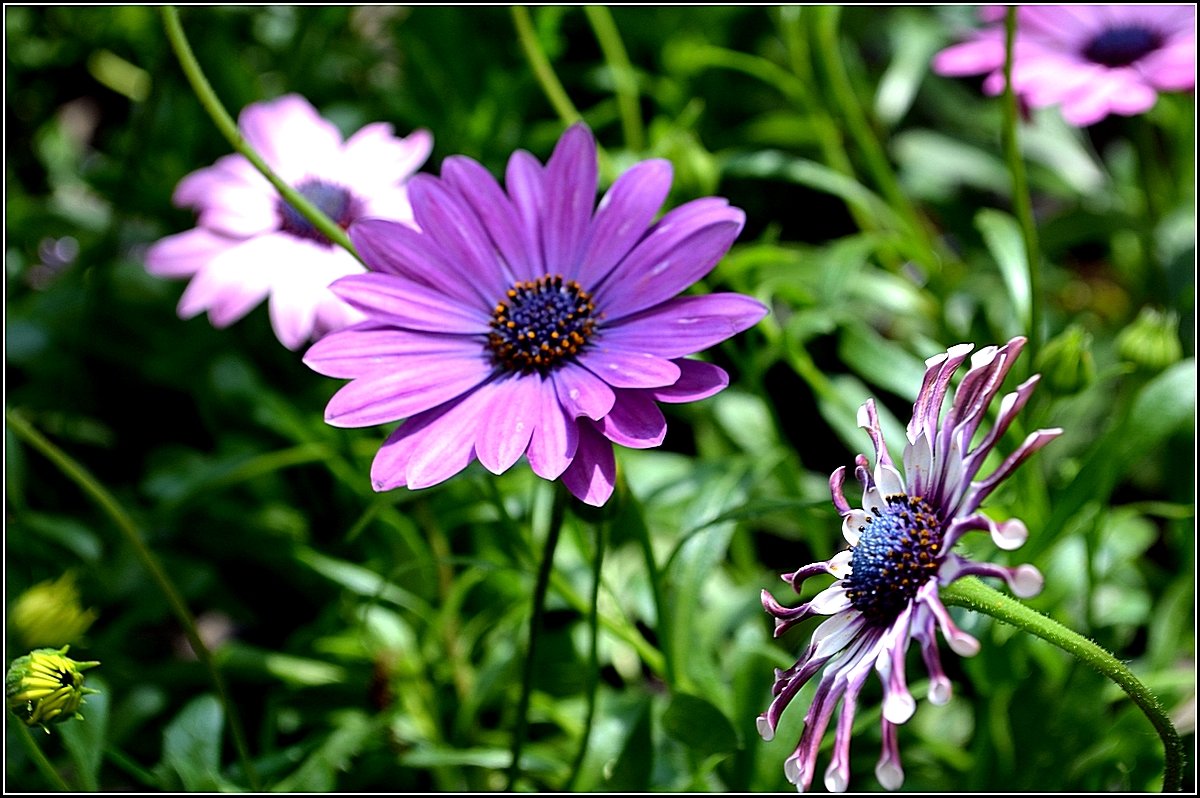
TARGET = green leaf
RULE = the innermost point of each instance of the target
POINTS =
(297, 671)
(699, 725)
(1002, 235)
(318, 772)
(631, 773)
(85, 737)
(192, 744)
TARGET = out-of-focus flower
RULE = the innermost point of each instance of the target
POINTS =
(886, 592)
(1090, 60)
(1152, 342)
(529, 321)
(1066, 362)
(50, 613)
(249, 243)
(46, 686)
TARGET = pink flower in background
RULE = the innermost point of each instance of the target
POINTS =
(249, 244)
(529, 321)
(1090, 60)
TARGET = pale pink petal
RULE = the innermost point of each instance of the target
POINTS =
(184, 254)
(292, 137)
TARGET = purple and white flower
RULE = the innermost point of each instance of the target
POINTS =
(900, 553)
(529, 321)
(249, 244)
(1090, 60)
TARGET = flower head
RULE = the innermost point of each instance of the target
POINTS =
(249, 243)
(900, 553)
(529, 321)
(50, 613)
(1091, 60)
(46, 686)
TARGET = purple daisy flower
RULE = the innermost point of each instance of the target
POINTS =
(249, 243)
(1091, 60)
(530, 321)
(886, 592)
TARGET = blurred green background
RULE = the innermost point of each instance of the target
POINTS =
(375, 642)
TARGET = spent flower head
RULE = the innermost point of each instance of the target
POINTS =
(530, 321)
(899, 555)
(46, 686)
(250, 244)
(1090, 60)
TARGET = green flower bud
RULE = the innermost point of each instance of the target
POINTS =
(1066, 362)
(50, 613)
(1152, 342)
(46, 686)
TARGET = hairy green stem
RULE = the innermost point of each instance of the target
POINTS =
(541, 67)
(974, 595)
(593, 674)
(1021, 200)
(39, 757)
(540, 589)
(133, 536)
(624, 78)
(229, 129)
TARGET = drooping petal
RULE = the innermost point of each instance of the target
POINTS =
(509, 420)
(697, 380)
(593, 472)
(555, 439)
(634, 421)
(582, 393)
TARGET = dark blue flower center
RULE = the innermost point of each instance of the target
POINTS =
(541, 322)
(900, 549)
(1121, 46)
(332, 200)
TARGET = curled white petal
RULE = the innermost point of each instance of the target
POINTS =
(1027, 581)
(852, 524)
(890, 775)
(1010, 534)
(839, 564)
(764, 728)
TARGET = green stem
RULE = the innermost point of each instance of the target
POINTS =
(593, 674)
(541, 67)
(229, 129)
(860, 130)
(105, 500)
(1021, 201)
(624, 78)
(535, 627)
(661, 611)
(39, 758)
(974, 595)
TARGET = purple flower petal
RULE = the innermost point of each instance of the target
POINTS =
(685, 325)
(697, 380)
(570, 183)
(582, 393)
(622, 368)
(634, 421)
(683, 247)
(366, 349)
(393, 248)
(405, 303)
(432, 446)
(524, 181)
(411, 385)
(508, 422)
(622, 218)
(593, 473)
(554, 442)
(481, 191)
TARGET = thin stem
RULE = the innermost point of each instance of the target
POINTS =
(860, 129)
(535, 627)
(624, 78)
(661, 612)
(39, 757)
(105, 500)
(974, 595)
(541, 67)
(1021, 201)
(593, 674)
(229, 129)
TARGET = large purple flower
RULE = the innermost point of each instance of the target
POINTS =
(1091, 60)
(249, 243)
(528, 321)
(886, 592)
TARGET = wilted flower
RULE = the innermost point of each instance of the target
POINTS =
(50, 613)
(886, 592)
(249, 243)
(1091, 60)
(46, 686)
(519, 322)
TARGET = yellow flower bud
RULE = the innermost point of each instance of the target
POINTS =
(50, 613)
(46, 686)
